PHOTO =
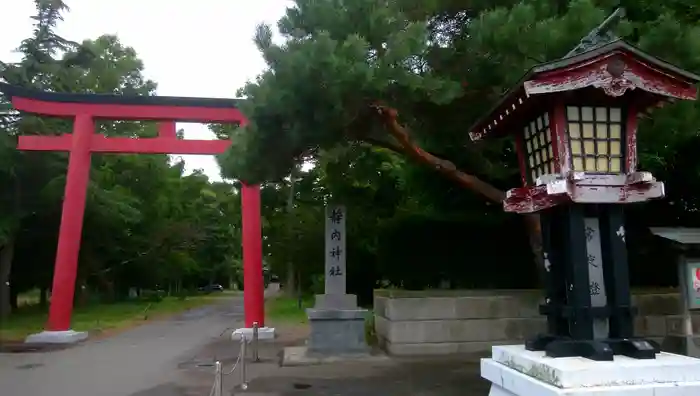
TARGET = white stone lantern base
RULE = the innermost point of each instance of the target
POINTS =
(514, 371)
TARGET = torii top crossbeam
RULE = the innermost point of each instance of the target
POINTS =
(122, 107)
(166, 109)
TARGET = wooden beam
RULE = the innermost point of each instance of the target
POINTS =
(102, 144)
(130, 112)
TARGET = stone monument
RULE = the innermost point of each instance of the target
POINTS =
(337, 324)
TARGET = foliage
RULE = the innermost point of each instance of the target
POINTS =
(372, 91)
(322, 78)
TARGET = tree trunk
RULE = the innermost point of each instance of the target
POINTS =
(404, 144)
(290, 284)
(6, 255)
(43, 296)
(82, 293)
(106, 287)
(14, 298)
(534, 231)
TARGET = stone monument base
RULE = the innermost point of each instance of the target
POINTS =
(337, 331)
(515, 371)
(56, 337)
(300, 356)
(335, 301)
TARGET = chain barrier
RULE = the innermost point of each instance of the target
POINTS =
(217, 388)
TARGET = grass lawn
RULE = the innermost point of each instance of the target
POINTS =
(103, 317)
(285, 310)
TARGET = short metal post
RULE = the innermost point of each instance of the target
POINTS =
(219, 380)
(256, 357)
(244, 342)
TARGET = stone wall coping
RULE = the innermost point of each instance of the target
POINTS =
(397, 293)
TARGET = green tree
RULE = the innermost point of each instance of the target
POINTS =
(37, 68)
(411, 76)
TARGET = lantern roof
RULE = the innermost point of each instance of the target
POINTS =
(614, 67)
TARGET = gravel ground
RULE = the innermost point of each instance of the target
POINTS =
(400, 377)
(175, 357)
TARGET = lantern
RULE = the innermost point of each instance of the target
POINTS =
(574, 122)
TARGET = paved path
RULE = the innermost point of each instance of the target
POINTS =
(144, 361)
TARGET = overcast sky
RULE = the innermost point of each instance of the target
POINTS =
(198, 48)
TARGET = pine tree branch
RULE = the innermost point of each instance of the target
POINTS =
(407, 146)
(403, 144)
(383, 144)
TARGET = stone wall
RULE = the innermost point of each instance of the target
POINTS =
(451, 322)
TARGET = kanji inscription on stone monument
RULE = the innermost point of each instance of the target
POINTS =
(335, 249)
(596, 283)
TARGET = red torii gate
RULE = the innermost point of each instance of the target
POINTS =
(84, 109)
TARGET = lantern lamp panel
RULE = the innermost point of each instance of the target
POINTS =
(615, 131)
(615, 115)
(586, 113)
(595, 138)
(538, 144)
(601, 114)
(574, 130)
